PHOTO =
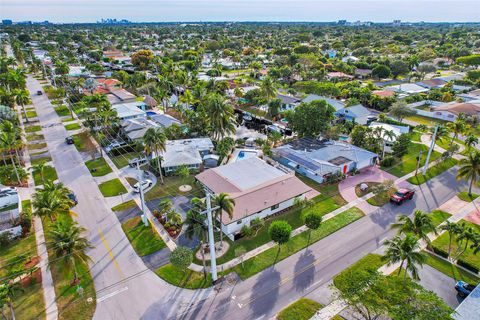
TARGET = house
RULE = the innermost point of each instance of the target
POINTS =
(384, 93)
(469, 308)
(357, 113)
(135, 128)
(120, 95)
(10, 209)
(130, 110)
(472, 95)
(407, 88)
(288, 102)
(318, 159)
(394, 129)
(434, 83)
(337, 104)
(363, 73)
(338, 76)
(454, 109)
(258, 188)
(188, 152)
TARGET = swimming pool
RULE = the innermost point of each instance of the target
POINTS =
(151, 113)
(245, 154)
(343, 138)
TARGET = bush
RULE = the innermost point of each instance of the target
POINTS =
(181, 258)
(247, 231)
(467, 265)
(5, 238)
(280, 231)
(387, 161)
(440, 252)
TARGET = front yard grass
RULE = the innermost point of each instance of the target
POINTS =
(98, 167)
(184, 279)
(302, 309)
(36, 146)
(35, 137)
(377, 200)
(424, 120)
(72, 126)
(62, 111)
(41, 160)
(112, 188)
(269, 257)
(49, 173)
(124, 206)
(370, 262)
(433, 171)
(71, 305)
(408, 162)
(31, 114)
(450, 270)
(121, 161)
(32, 128)
(170, 187)
(144, 239)
(29, 303)
(465, 197)
(439, 216)
(83, 143)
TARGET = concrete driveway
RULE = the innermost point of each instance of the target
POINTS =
(371, 174)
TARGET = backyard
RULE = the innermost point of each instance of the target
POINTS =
(170, 188)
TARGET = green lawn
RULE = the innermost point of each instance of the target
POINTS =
(271, 256)
(35, 137)
(408, 162)
(185, 279)
(36, 146)
(83, 143)
(70, 304)
(32, 128)
(465, 197)
(49, 173)
(72, 126)
(302, 309)
(144, 239)
(171, 188)
(41, 160)
(62, 111)
(369, 262)
(439, 216)
(98, 167)
(450, 270)
(31, 114)
(69, 119)
(377, 200)
(442, 243)
(124, 206)
(29, 303)
(433, 171)
(416, 136)
(424, 120)
(121, 161)
(112, 188)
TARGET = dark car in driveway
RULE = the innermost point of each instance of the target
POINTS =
(39, 93)
(463, 288)
(73, 198)
(69, 140)
(401, 196)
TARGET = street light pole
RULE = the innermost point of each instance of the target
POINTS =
(418, 162)
(432, 145)
(142, 203)
(211, 239)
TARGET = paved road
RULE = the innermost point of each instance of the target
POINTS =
(126, 289)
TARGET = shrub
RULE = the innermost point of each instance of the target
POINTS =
(467, 265)
(280, 231)
(387, 161)
(5, 238)
(247, 231)
(440, 252)
(181, 258)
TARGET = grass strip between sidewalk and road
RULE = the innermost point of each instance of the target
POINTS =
(188, 279)
(466, 197)
(143, 238)
(302, 309)
(370, 262)
(433, 171)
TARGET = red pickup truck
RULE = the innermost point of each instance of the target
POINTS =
(401, 195)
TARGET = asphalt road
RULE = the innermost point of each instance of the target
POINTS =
(126, 289)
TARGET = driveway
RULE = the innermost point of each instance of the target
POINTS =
(371, 174)
(444, 286)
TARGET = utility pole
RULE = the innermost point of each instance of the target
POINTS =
(418, 162)
(211, 239)
(432, 145)
(142, 203)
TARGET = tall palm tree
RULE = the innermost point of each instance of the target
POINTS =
(387, 134)
(471, 141)
(221, 116)
(456, 128)
(155, 142)
(452, 229)
(22, 97)
(197, 228)
(39, 168)
(69, 245)
(420, 225)
(406, 251)
(10, 143)
(268, 89)
(224, 204)
(50, 204)
(470, 169)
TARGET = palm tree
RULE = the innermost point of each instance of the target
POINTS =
(471, 141)
(268, 88)
(452, 229)
(39, 168)
(464, 236)
(387, 134)
(457, 127)
(155, 142)
(406, 251)
(8, 291)
(48, 204)
(470, 169)
(69, 245)
(420, 225)
(220, 116)
(10, 143)
(197, 228)
(224, 204)
(22, 97)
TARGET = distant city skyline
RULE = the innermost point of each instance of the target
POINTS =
(240, 10)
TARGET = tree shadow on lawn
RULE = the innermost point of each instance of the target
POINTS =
(304, 270)
(265, 292)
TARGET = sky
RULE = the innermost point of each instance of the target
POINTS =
(241, 10)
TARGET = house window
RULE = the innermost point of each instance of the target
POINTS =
(275, 206)
(239, 221)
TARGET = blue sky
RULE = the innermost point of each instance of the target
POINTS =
(240, 10)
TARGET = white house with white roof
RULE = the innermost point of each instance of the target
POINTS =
(10, 209)
(185, 152)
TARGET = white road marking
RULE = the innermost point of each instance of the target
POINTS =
(240, 305)
(111, 294)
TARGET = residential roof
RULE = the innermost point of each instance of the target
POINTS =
(363, 72)
(397, 130)
(254, 185)
(337, 104)
(129, 110)
(339, 75)
(469, 108)
(407, 87)
(383, 93)
(286, 99)
(185, 151)
(469, 309)
(432, 83)
(165, 120)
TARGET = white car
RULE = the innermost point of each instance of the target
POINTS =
(145, 184)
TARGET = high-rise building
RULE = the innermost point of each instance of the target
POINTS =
(7, 22)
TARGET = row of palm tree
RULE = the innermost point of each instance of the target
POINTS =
(10, 145)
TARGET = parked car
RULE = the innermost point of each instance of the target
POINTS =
(463, 288)
(39, 93)
(114, 145)
(401, 195)
(137, 161)
(69, 140)
(145, 184)
(73, 197)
